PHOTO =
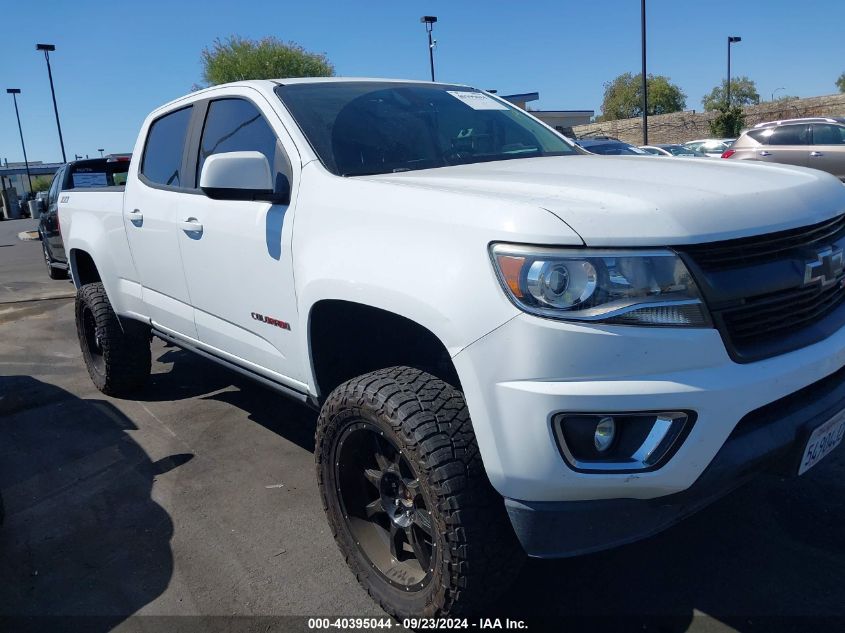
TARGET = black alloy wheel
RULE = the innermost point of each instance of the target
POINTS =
(383, 505)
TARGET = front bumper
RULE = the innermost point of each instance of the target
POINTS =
(771, 438)
(519, 376)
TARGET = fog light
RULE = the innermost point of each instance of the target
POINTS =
(605, 434)
(635, 441)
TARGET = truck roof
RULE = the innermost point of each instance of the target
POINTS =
(269, 84)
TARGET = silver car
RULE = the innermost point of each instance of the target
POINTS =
(710, 146)
(671, 149)
(813, 142)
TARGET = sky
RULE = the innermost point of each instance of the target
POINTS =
(116, 61)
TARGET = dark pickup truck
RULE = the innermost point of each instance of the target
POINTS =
(87, 174)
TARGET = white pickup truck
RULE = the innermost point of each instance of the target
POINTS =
(514, 345)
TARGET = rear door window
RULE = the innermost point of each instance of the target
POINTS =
(789, 135)
(827, 134)
(162, 163)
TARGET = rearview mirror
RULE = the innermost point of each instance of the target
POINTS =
(242, 176)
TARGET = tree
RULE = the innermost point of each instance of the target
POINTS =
(41, 183)
(238, 58)
(623, 97)
(743, 92)
(728, 123)
(840, 83)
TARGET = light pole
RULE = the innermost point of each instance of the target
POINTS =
(645, 80)
(429, 21)
(15, 92)
(47, 48)
(101, 150)
(732, 39)
(775, 92)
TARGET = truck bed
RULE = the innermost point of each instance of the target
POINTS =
(97, 214)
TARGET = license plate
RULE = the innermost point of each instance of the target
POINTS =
(823, 440)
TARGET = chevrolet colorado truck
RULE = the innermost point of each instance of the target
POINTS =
(515, 347)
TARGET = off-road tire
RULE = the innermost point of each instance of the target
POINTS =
(428, 421)
(121, 363)
(52, 271)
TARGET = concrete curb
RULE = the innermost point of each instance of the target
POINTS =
(56, 297)
(29, 236)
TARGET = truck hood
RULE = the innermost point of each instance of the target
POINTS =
(648, 201)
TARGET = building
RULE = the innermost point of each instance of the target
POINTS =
(561, 120)
(13, 175)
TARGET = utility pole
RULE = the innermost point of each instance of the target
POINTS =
(47, 48)
(15, 92)
(645, 80)
(731, 39)
(429, 21)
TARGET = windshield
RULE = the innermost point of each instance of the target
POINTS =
(680, 150)
(360, 128)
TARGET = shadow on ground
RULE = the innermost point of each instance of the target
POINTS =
(191, 376)
(82, 536)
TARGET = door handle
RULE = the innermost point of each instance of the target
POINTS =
(765, 153)
(191, 225)
(136, 217)
(816, 154)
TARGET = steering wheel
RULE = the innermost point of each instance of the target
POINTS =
(457, 156)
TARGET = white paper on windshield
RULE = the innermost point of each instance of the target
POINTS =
(90, 179)
(477, 100)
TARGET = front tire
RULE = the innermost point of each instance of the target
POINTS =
(407, 496)
(117, 355)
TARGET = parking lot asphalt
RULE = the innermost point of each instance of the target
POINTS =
(199, 498)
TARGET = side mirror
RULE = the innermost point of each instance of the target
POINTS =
(242, 176)
(40, 205)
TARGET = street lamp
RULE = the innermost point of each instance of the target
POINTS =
(775, 92)
(732, 39)
(101, 150)
(645, 80)
(429, 21)
(15, 92)
(47, 48)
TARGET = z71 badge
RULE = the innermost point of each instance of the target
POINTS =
(271, 321)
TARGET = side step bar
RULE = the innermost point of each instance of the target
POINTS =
(278, 387)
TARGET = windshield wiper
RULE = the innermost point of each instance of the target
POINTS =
(363, 173)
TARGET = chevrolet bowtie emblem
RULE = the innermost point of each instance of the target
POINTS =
(825, 269)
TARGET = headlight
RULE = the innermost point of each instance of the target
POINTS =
(628, 287)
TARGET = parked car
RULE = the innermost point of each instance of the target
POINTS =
(80, 174)
(514, 345)
(669, 149)
(713, 147)
(609, 147)
(816, 142)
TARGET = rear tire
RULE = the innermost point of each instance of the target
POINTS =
(117, 355)
(52, 271)
(398, 444)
